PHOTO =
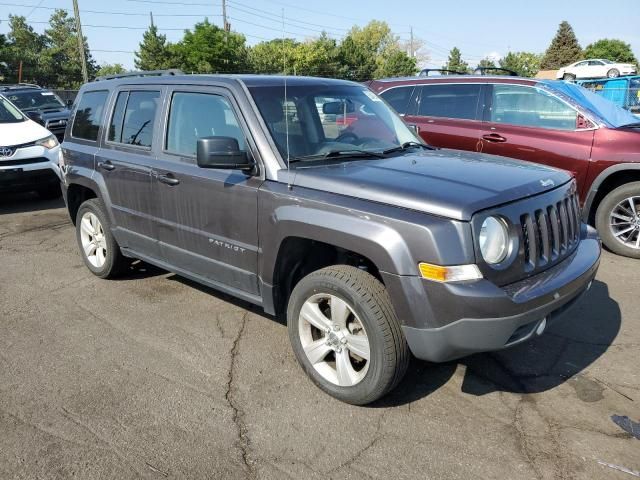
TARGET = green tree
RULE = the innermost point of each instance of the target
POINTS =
(154, 52)
(486, 63)
(110, 69)
(455, 62)
(61, 61)
(394, 62)
(270, 56)
(610, 49)
(24, 45)
(209, 49)
(564, 49)
(525, 64)
(371, 52)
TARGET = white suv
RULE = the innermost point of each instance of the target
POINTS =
(28, 154)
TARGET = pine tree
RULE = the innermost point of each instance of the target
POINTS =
(564, 49)
(154, 51)
(455, 62)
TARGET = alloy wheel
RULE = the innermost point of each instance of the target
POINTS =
(624, 222)
(94, 244)
(334, 340)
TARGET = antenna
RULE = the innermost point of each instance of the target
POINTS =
(286, 104)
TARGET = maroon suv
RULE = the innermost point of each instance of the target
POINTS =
(551, 122)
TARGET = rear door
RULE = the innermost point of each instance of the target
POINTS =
(530, 123)
(448, 115)
(206, 218)
(125, 163)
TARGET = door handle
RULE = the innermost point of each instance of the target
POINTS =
(168, 179)
(494, 137)
(106, 165)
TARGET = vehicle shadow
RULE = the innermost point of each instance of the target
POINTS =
(573, 342)
(26, 202)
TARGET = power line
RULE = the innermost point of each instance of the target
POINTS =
(278, 17)
(174, 3)
(104, 12)
(124, 27)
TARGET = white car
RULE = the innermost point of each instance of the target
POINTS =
(596, 68)
(28, 154)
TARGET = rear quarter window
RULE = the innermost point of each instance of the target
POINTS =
(88, 117)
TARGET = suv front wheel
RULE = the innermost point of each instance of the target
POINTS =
(618, 220)
(99, 249)
(345, 334)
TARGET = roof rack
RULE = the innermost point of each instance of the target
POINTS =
(16, 86)
(483, 70)
(142, 73)
(426, 71)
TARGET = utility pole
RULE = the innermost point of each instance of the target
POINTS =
(225, 25)
(411, 42)
(83, 57)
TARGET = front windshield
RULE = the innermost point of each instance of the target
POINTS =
(324, 119)
(9, 113)
(35, 100)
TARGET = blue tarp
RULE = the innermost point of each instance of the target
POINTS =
(610, 113)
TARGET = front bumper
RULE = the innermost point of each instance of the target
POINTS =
(464, 318)
(29, 169)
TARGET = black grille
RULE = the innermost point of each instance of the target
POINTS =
(23, 161)
(550, 233)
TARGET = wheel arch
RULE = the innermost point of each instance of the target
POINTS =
(608, 180)
(305, 240)
(78, 193)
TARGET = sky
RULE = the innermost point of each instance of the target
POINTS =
(479, 28)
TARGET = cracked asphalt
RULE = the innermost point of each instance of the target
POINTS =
(152, 376)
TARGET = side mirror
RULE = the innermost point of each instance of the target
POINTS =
(414, 128)
(69, 103)
(222, 152)
(36, 117)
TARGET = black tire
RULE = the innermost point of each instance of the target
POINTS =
(369, 300)
(603, 213)
(50, 192)
(570, 77)
(613, 73)
(115, 263)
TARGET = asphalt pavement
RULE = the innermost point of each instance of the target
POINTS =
(153, 376)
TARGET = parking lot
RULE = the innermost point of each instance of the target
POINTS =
(153, 376)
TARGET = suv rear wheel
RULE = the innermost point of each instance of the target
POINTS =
(99, 249)
(345, 334)
(618, 220)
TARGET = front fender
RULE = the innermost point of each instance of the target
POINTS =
(394, 239)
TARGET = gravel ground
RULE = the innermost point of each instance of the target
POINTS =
(153, 376)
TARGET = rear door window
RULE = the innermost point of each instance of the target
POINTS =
(398, 98)
(458, 101)
(530, 107)
(88, 117)
(133, 118)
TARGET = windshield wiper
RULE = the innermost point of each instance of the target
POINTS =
(405, 146)
(338, 154)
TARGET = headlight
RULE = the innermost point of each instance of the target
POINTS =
(494, 240)
(48, 142)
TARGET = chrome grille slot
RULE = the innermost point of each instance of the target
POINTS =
(564, 227)
(545, 239)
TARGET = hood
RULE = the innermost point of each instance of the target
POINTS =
(448, 183)
(54, 114)
(22, 132)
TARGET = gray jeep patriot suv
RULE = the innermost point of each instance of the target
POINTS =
(311, 198)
